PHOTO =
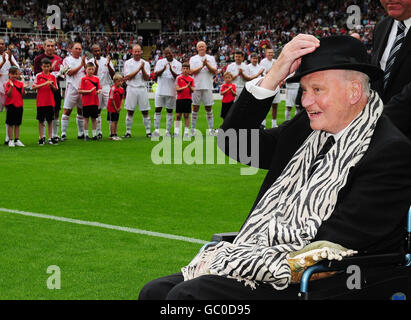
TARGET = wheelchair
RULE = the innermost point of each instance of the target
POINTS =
(381, 276)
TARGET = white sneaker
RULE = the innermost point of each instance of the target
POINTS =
(155, 134)
(18, 143)
(212, 132)
(186, 136)
(168, 134)
(11, 143)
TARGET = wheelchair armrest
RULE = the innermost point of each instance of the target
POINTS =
(226, 236)
(365, 260)
(362, 261)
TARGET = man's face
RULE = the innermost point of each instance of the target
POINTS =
(76, 50)
(238, 58)
(397, 9)
(137, 52)
(97, 52)
(269, 54)
(254, 61)
(169, 55)
(201, 48)
(49, 48)
(326, 100)
(2, 46)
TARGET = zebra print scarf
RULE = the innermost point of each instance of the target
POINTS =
(289, 214)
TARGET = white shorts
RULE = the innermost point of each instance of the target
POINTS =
(291, 97)
(165, 101)
(205, 96)
(72, 99)
(137, 96)
(103, 98)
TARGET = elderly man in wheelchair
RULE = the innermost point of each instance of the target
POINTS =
(329, 220)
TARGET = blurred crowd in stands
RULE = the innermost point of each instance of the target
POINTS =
(225, 26)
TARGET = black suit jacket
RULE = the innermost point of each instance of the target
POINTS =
(371, 210)
(400, 74)
(398, 109)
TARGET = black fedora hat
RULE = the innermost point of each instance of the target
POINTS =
(337, 52)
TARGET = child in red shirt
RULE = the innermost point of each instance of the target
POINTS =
(228, 91)
(185, 88)
(90, 88)
(14, 90)
(114, 105)
(46, 85)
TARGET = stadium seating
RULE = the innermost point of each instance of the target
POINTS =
(382, 277)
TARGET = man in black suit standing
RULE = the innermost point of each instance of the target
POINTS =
(392, 48)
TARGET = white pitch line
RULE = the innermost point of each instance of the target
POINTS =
(105, 226)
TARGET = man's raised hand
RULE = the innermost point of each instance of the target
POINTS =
(289, 59)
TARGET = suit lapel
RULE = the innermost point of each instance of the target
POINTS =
(386, 27)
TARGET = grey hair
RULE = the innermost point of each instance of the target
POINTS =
(362, 77)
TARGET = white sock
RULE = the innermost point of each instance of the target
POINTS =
(7, 133)
(129, 123)
(94, 133)
(264, 123)
(177, 125)
(287, 114)
(157, 120)
(274, 123)
(186, 130)
(210, 119)
(85, 132)
(147, 124)
(64, 124)
(80, 125)
(194, 117)
(55, 128)
(44, 128)
(99, 124)
(169, 122)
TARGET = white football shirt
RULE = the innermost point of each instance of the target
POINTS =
(166, 82)
(234, 69)
(73, 63)
(131, 66)
(102, 73)
(204, 79)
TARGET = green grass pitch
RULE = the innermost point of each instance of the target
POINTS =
(111, 182)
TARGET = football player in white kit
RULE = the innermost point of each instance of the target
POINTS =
(166, 70)
(104, 70)
(255, 70)
(292, 92)
(239, 71)
(74, 65)
(136, 73)
(203, 67)
(267, 63)
(6, 61)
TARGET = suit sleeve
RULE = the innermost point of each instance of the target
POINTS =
(371, 214)
(398, 109)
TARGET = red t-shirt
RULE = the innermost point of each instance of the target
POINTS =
(16, 98)
(182, 81)
(117, 94)
(87, 83)
(45, 95)
(228, 96)
(54, 59)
